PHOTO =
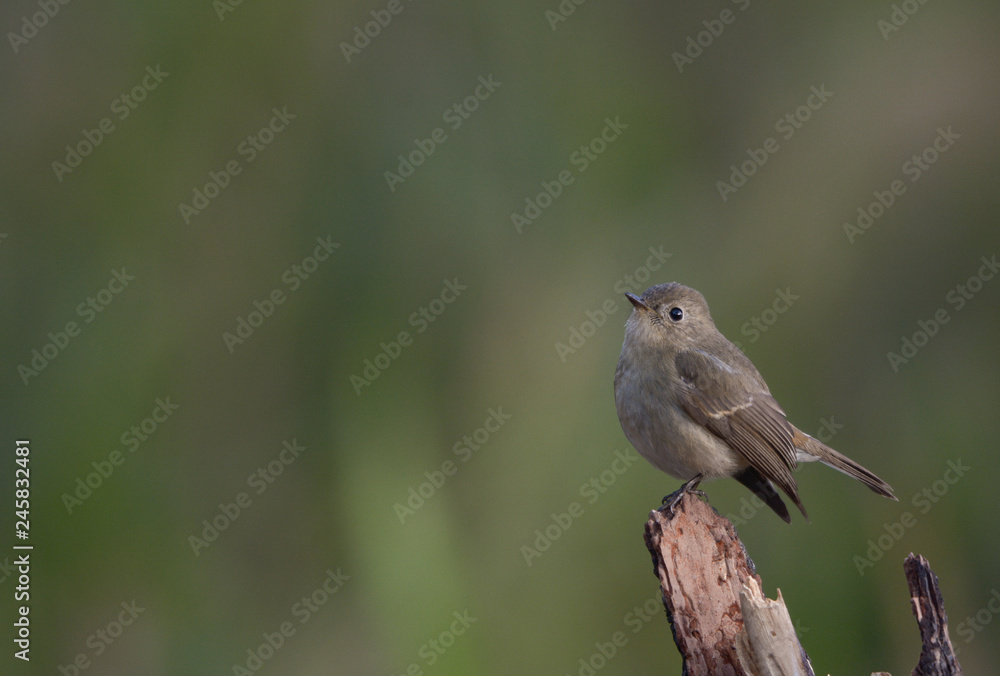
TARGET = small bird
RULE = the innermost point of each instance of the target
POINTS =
(695, 407)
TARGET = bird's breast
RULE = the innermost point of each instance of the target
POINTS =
(652, 418)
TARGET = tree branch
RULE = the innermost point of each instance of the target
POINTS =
(937, 656)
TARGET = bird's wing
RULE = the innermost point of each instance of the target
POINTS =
(750, 422)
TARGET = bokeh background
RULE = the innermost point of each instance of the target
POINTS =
(336, 513)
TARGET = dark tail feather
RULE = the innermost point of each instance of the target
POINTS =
(841, 462)
(763, 489)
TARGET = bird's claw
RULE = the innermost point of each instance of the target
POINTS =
(671, 501)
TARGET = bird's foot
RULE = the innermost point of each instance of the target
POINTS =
(671, 501)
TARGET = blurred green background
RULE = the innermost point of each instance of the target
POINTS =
(685, 95)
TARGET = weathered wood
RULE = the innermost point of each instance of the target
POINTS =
(937, 656)
(768, 645)
(702, 568)
(720, 620)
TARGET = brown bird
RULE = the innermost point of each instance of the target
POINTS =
(695, 407)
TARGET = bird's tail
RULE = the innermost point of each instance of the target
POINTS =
(819, 451)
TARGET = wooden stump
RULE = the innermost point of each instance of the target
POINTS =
(720, 620)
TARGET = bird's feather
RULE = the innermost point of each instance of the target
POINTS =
(748, 420)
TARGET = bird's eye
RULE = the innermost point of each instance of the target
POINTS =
(676, 314)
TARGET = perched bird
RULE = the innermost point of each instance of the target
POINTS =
(695, 407)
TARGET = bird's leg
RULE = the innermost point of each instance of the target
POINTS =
(671, 501)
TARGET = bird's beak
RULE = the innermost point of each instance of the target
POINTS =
(637, 302)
